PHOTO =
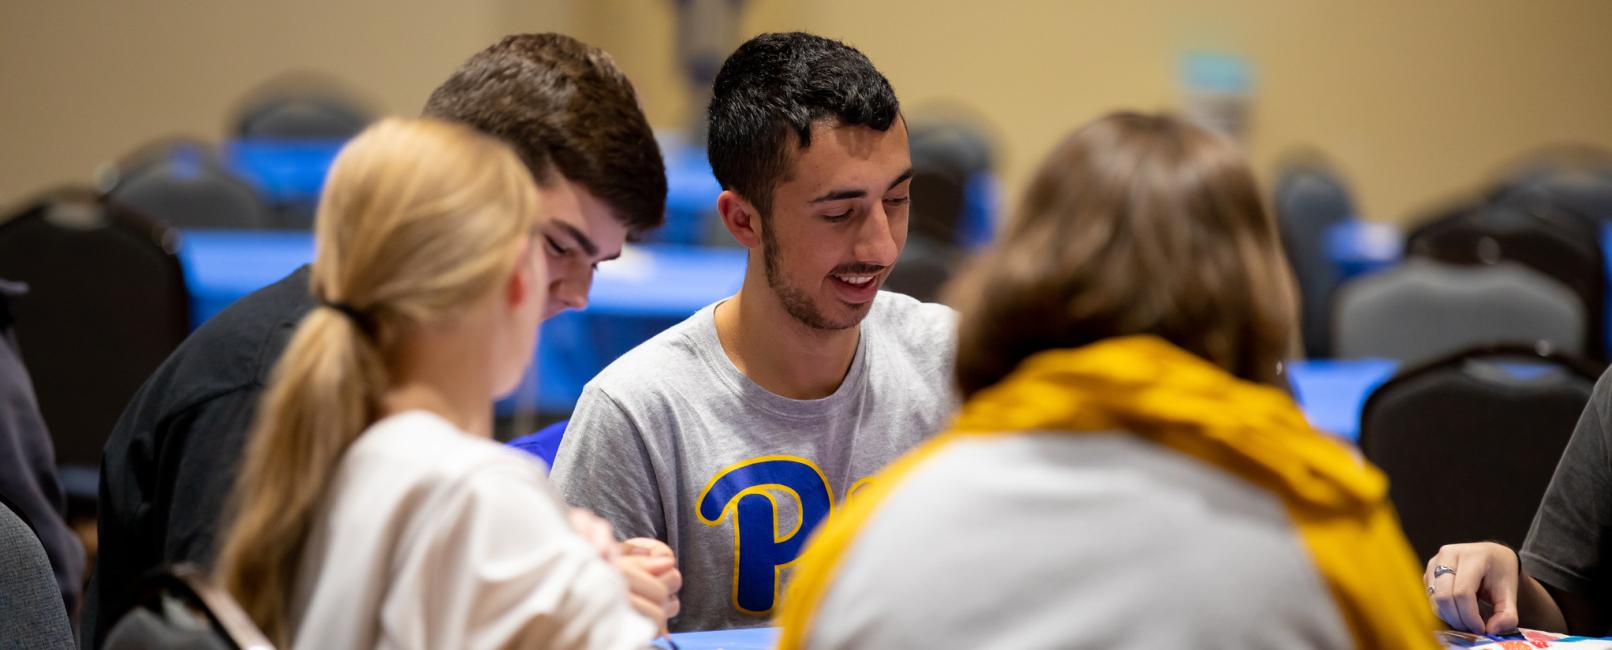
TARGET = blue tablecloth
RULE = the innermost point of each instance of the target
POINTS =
(650, 288)
(760, 638)
(1332, 392)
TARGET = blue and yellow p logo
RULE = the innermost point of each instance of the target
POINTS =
(760, 549)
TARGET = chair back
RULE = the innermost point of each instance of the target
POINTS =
(312, 116)
(181, 608)
(105, 305)
(1470, 441)
(32, 614)
(185, 184)
(1423, 309)
(1531, 229)
(1310, 200)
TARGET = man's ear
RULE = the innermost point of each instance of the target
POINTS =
(740, 217)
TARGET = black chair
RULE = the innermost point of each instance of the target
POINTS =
(1309, 200)
(180, 608)
(945, 156)
(183, 183)
(1575, 177)
(32, 614)
(306, 113)
(106, 303)
(1470, 442)
(1531, 230)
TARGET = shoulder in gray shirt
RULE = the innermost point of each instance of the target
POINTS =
(1060, 540)
(673, 442)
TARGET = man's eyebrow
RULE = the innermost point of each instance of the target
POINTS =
(579, 237)
(840, 195)
(904, 177)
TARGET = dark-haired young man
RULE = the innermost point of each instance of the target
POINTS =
(170, 462)
(732, 434)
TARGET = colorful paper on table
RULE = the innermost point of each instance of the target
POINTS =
(758, 638)
(1522, 640)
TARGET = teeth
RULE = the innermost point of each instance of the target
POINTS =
(855, 279)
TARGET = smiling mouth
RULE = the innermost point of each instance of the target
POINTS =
(856, 280)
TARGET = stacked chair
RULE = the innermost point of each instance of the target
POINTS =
(1470, 441)
(1311, 200)
(184, 184)
(106, 303)
(945, 157)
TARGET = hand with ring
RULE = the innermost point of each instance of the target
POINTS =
(1462, 574)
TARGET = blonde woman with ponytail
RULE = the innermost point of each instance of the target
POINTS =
(372, 508)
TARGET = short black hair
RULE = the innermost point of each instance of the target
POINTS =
(563, 104)
(778, 84)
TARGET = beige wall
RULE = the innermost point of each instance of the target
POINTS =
(1413, 100)
(82, 82)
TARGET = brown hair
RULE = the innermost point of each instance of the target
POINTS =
(1135, 224)
(418, 219)
(563, 105)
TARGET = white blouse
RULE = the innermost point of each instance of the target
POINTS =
(430, 537)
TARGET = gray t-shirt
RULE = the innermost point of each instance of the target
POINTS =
(1570, 542)
(1058, 540)
(673, 442)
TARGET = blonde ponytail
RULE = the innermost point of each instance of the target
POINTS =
(418, 218)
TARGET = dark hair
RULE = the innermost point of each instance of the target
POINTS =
(1136, 224)
(562, 104)
(778, 84)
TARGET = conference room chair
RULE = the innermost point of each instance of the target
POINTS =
(184, 184)
(181, 608)
(1531, 229)
(1310, 200)
(1424, 309)
(106, 303)
(311, 115)
(32, 614)
(1470, 441)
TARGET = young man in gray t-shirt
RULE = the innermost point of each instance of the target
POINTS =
(733, 434)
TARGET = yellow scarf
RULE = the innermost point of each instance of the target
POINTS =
(1146, 386)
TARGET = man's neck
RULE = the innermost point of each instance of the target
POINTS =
(778, 352)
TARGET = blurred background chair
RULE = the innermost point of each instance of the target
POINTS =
(1530, 229)
(301, 109)
(181, 609)
(948, 155)
(184, 184)
(106, 303)
(1470, 441)
(284, 136)
(1424, 309)
(31, 611)
(1310, 200)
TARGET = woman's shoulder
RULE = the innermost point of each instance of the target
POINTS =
(422, 447)
(1089, 531)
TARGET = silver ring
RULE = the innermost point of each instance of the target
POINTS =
(1442, 570)
(1430, 590)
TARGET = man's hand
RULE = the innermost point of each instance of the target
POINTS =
(1467, 573)
(653, 579)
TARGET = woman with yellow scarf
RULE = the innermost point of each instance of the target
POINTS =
(1126, 470)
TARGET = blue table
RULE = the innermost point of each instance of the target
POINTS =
(1333, 391)
(649, 289)
(759, 638)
